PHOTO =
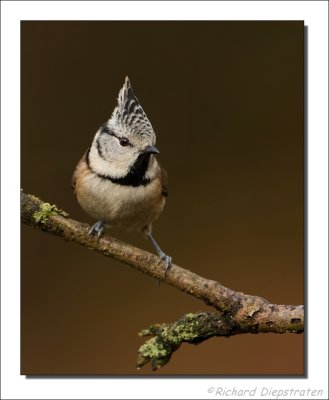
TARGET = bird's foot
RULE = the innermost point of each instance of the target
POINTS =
(168, 262)
(97, 228)
(167, 259)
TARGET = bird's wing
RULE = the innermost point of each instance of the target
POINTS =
(77, 170)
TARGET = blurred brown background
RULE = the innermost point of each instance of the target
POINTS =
(226, 101)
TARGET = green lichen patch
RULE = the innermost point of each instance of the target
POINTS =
(153, 349)
(45, 211)
(156, 350)
(191, 328)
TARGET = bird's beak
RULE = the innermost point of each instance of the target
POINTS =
(151, 150)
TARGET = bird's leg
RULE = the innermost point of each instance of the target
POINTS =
(97, 228)
(167, 259)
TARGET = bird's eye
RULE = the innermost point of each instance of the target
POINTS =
(124, 142)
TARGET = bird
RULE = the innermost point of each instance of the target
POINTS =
(119, 181)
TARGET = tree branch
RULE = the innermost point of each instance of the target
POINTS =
(194, 328)
(237, 312)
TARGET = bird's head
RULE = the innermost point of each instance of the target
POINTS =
(126, 137)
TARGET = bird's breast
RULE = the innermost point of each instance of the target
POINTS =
(119, 205)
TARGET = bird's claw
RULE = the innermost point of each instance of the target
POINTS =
(167, 259)
(97, 228)
(168, 262)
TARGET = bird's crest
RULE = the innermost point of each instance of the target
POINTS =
(129, 113)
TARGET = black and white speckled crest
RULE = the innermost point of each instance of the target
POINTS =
(129, 113)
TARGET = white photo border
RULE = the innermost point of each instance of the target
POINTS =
(315, 16)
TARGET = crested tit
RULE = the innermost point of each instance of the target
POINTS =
(118, 181)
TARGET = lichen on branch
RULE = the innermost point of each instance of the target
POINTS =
(166, 338)
(47, 210)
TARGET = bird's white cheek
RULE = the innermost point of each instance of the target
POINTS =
(116, 165)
